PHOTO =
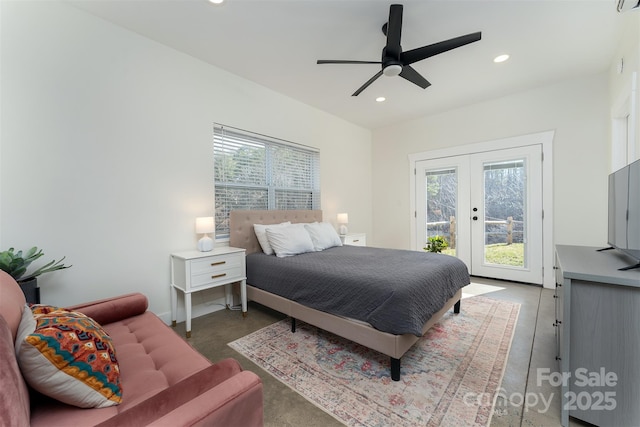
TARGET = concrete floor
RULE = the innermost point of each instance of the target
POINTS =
(533, 347)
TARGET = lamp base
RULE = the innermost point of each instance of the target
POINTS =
(205, 244)
(343, 229)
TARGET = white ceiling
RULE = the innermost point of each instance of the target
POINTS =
(276, 43)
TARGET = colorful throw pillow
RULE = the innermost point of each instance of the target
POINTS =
(68, 356)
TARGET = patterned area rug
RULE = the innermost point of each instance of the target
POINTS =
(448, 378)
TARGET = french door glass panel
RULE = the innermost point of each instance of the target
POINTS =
(442, 201)
(507, 197)
(488, 207)
(440, 184)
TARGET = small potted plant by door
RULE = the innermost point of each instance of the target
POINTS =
(436, 244)
(16, 264)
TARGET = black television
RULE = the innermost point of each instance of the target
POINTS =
(624, 212)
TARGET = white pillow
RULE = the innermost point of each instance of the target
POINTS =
(261, 234)
(290, 240)
(323, 235)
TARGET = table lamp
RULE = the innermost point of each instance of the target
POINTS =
(343, 220)
(205, 225)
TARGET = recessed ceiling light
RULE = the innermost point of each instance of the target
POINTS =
(501, 58)
(216, 1)
(381, 99)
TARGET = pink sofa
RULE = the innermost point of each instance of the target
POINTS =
(165, 381)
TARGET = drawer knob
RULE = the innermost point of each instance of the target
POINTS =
(213, 264)
(217, 276)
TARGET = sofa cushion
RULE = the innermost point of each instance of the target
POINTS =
(151, 356)
(68, 357)
(14, 396)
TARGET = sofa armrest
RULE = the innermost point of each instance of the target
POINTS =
(221, 394)
(237, 402)
(111, 310)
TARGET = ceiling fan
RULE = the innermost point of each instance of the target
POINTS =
(396, 62)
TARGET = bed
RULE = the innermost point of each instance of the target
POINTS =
(299, 279)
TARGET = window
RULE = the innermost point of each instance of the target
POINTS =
(254, 171)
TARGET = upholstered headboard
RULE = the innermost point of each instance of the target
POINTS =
(241, 234)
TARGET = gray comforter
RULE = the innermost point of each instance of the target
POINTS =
(395, 291)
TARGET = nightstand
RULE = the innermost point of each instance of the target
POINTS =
(354, 239)
(194, 271)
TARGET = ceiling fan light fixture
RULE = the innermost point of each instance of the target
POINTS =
(392, 70)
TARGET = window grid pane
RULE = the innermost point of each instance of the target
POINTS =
(287, 200)
(255, 172)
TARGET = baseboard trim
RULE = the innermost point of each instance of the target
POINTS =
(196, 311)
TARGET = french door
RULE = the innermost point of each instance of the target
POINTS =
(488, 208)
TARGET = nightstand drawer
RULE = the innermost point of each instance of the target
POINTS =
(216, 264)
(213, 277)
(218, 269)
(354, 239)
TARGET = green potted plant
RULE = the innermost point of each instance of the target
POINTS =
(436, 244)
(16, 264)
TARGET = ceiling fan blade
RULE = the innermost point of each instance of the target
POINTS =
(366, 85)
(414, 77)
(394, 31)
(415, 55)
(340, 61)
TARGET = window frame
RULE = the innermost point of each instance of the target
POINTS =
(272, 146)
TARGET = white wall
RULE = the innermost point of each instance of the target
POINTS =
(106, 149)
(578, 112)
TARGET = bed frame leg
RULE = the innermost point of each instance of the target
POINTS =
(395, 369)
(293, 324)
(456, 307)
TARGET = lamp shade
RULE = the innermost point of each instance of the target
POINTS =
(343, 218)
(205, 224)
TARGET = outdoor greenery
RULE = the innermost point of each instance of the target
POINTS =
(500, 253)
(504, 188)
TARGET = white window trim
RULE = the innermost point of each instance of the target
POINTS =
(625, 137)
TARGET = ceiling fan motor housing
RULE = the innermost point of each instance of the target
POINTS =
(390, 66)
